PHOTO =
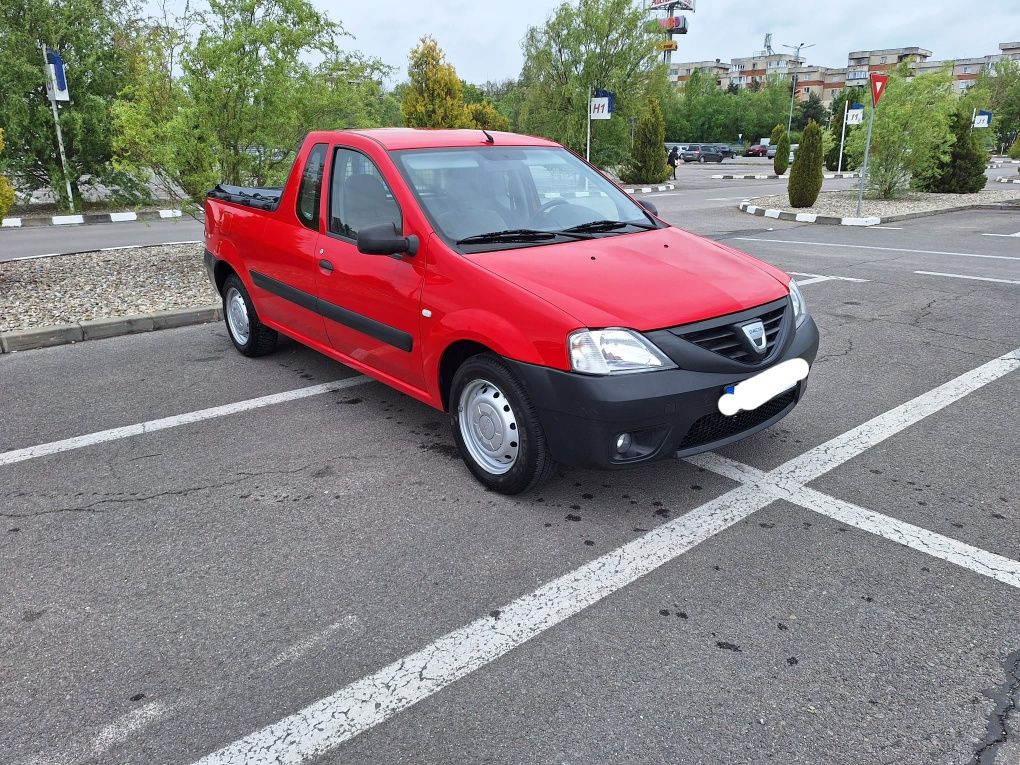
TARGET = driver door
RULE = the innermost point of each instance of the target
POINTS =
(371, 303)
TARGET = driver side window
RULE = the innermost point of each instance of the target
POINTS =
(359, 195)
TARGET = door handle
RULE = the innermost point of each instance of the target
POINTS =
(325, 265)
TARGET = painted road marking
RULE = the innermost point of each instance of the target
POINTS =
(823, 458)
(1017, 234)
(998, 567)
(100, 249)
(329, 722)
(299, 649)
(113, 434)
(872, 247)
(123, 727)
(975, 278)
(815, 278)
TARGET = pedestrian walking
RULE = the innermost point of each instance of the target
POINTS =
(673, 159)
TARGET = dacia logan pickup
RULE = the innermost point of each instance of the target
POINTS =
(505, 281)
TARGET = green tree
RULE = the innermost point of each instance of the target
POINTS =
(963, 171)
(484, 115)
(594, 43)
(781, 140)
(806, 175)
(232, 102)
(6, 190)
(648, 158)
(434, 97)
(1003, 89)
(811, 109)
(92, 36)
(904, 146)
(845, 96)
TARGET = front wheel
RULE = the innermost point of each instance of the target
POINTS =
(701, 160)
(496, 427)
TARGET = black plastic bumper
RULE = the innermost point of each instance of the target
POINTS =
(669, 414)
(210, 267)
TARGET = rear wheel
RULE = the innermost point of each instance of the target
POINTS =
(701, 160)
(496, 427)
(249, 335)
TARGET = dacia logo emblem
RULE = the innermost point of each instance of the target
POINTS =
(755, 332)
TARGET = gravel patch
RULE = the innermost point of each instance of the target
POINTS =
(843, 204)
(65, 289)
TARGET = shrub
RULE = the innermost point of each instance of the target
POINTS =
(806, 175)
(1014, 149)
(648, 159)
(6, 190)
(782, 159)
(963, 170)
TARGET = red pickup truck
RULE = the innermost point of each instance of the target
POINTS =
(502, 279)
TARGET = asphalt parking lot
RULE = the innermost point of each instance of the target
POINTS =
(211, 559)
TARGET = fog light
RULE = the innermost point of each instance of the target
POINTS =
(623, 443)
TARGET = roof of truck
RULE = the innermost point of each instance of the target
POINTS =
(417, 138)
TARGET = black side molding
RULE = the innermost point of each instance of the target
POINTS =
(356, 321)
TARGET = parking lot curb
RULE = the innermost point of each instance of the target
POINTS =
(98, 329)
(1007, 180)
(88, 219)
(827, 220)
(649, 189)
(762, 177)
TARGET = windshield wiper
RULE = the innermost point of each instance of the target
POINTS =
(607, 225)
(516, 235)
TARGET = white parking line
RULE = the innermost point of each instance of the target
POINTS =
(354, 709)
(113, 434)
(974, 278)
(121, 729)
(814, 278)
(975, 559)
(872, 247)
(329, 722)
(1017, 234)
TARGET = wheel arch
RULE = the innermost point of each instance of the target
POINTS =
(453, 356)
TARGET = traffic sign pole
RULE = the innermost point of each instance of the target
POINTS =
(842, 140)
(864, 167)
(60, 135)
(878, 83)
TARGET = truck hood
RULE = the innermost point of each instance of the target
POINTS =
(645, 280)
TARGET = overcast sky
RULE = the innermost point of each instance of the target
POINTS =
(482, 39)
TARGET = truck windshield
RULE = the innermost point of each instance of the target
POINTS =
(516, 196)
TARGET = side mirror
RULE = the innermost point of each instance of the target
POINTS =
(650, 206)
(385, 239)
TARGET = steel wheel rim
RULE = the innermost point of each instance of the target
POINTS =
(237, 316)
(488, 426)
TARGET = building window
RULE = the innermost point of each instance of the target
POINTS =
(882, 60)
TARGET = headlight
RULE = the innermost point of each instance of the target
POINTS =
(799, 307)
(614, 352)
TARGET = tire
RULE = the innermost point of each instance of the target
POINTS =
(701, 160)
(503, 446)
(239, 314)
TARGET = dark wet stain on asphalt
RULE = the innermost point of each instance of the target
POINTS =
(138, 697)
(572, 517)
(792, 661)
(31, 616)
(728, 646)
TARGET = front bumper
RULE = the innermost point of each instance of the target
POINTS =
(673, 413)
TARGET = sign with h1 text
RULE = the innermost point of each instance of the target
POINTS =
(878, 83)
(602, 105)
(982, 119)
(855, 115)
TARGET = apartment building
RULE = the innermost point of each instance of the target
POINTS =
(715, 70)
(827, 82)
(750, 69)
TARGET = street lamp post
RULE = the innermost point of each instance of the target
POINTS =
(793, 79)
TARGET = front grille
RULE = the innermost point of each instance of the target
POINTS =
(727, 339)
(717, 426)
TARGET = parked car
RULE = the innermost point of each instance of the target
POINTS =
(502, 280)
(701, 152)
(758, 150)
(770, 152)
(725, 150)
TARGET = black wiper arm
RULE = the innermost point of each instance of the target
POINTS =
(606, 225)
(516, 235)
